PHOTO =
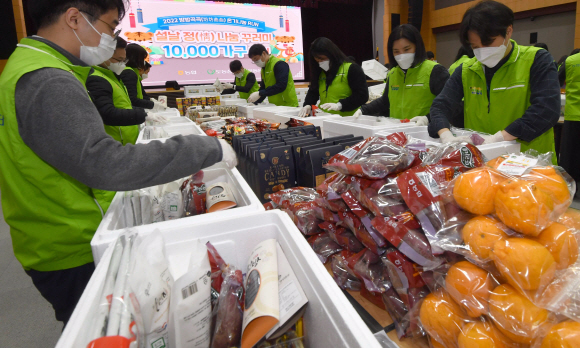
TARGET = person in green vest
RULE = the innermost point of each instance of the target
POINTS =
(133, 75)
(338, 83)
(54, 148)
(463, 55)
(413, 81)
(245, 82)
(510, 91)
(570, 144)
(277, 83)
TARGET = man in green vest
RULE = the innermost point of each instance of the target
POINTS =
(54, 149)
(245, 82)
(510, 91)
(277, 82)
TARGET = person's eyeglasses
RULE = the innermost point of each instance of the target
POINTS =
(115, 32)
(120, 60)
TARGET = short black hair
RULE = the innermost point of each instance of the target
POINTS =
(136, 55)
(121, 43)
(235, 65)
(46, 12)
(574, 51)
(325, 47)
(256, 50)
(147, 66)
(541, 45)
(430, 55)
(562, 60)
(488, 19)
(464, 51)
(409, 32)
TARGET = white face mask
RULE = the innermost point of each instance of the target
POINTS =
(260, 63)
(239, 75)
(490, 56)
(324, 65)
(97, 55)
(144, 76)
(405, 60)
(117, 68)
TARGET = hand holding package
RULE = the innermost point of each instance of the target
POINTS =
(254, 97)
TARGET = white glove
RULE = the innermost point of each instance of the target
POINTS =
(490, 139)
(420, 120)
(157, 106)
(305, 111)
(227, 85)
(228, 154)
(156, 119)
(331, 106)
(254, 97)
(448, 137)
(357, 114)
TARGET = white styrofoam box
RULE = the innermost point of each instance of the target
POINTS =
(173, 130)
(365, 126)
(233, 101)
(193, 91)
(377, 89)
(111, 225)
(490, 150)
(375, 70)
(268, 113)
(231, 96)
(329, 320)
(181, 120)
(248, 110)
(317, 121)
(169, 112)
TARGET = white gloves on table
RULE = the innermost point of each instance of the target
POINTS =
(254, 97)
(157, 119)
(448, 137)
(305, 111)
(331, 106)
(157, 106)
(496, 138)
(420, 120)
(228, 154)
(357, 114)
(227, 85)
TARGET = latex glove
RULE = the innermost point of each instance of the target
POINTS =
(254, 97)
(157, 106)
(357, 114)
(420, 120)
(331, 106)
(448, 137)
(227, 85)
(156, 119)
(228, 154)
(305, 111)
(490, 139)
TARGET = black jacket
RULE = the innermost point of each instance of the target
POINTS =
(130, 80)
(250, 81)
(101, 93)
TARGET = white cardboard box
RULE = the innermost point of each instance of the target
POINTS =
(366, 126)
(110, 227)
(375, 70)
(329, 320)
(173, 130)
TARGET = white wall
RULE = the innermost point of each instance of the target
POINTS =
(556, 30)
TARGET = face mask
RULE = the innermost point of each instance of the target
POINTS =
(99, 54)
(144, 76)
(260, 63)
(324, 65)
(240, 75)
(117, 68)
(405, 60)
(490, 56)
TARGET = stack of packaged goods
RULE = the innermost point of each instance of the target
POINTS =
(183, 104)
(454, 249)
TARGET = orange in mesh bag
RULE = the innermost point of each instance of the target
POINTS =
(469, 286)
(563, 335)
(482, 334)
(475, 190)
(561, 242)
(442, 318)
(524, 263)
(480, 234)
(516, 316)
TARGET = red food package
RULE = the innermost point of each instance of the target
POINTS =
(367, 267)
(381, 197)
(342, 274)
(374, 158)
(304, 218)
(365, 217)
(351, 221)
(409, 326)
(193, 191)
(333, 186)
(269, 206)
(227, 316)
(211, 133)
(218, 265)
(403, 231)
(288, 197)
(375, 298)
(342, 237)
(297, 123)
(323, 246)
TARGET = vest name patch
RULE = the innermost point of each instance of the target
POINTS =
(1, 120)
(476, 90)
(395, 88)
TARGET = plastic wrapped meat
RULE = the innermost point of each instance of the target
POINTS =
(323, 246)
(342, 274)
(304, 218)
(342, 236)
(355, 225)
(330, 191)
(367, 266)
(381, 197)
(229, 312)
(365, 217)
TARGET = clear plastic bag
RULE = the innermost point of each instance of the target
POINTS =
(193, 192)
(342, 274)
(381, 197)
(342, 237)
(323, 246)
(227, 316)
(355, 225)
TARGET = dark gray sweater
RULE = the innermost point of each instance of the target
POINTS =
(59, 122)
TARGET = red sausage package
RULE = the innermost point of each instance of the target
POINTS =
(381, 197)
(218, 266)
(367, 266)
(365, 217)
(228, 315)
(286, 198)
(403, 273)
(193, 191)
(342, 236)
(304, 218)
(342, 274)
(323, 246)
(355, 225)
(330, 191)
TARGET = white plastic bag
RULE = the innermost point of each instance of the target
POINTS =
(172, 200)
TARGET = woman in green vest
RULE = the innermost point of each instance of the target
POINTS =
(245, 82)
(463, 55)
(510, 91)
(277, 82)
(339, 83)
(413, 82)
(571, 129)
(133, 75)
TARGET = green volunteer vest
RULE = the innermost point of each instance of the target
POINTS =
(572, 107)
(242, 82)
(509, 97)
(410, 94)
(124, 134)
(286, 98)
(460, 61)
(338, 89)
(52, 216)
(139, 79)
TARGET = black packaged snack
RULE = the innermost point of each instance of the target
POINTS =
(314, 173)
(302, 163)
(275, 171)
(348, 144)
(331, 140)
(349, 140)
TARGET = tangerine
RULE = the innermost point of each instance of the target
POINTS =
(548, 180)
(494, 163)
(516, 316)
(475, 190)
(563, 335)
(480, 335)
(470, 286)
(571, 218)
(524, 263)
(561, 243)
(442, 318)
(480, 234)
